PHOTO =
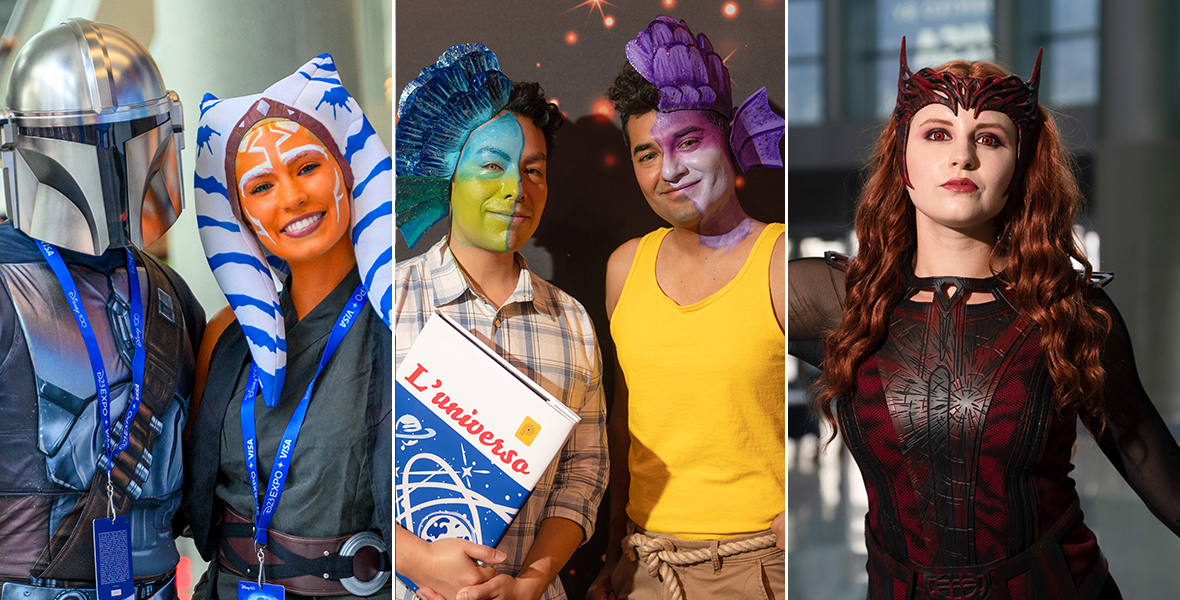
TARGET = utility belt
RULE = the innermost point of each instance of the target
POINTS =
(357, 564)
(1049, 577)
(161, 587)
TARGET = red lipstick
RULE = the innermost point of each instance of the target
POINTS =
(961, 185)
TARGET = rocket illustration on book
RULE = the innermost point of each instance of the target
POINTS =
(473, 437)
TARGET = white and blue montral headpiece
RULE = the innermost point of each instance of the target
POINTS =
(314, 98)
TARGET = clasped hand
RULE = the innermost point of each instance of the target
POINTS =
(453, 565)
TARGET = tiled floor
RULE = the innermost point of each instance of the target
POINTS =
(827, 504)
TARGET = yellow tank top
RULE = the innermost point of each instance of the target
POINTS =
(706, 399)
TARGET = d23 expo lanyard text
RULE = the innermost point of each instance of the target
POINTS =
(101, 383)
(278, 473)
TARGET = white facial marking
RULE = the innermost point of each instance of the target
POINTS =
(258, 228)
(338, 193)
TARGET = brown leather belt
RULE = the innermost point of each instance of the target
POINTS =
(357, 564)
(1043, 561)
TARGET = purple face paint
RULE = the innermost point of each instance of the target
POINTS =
(730, 237)
(695, 158)
(695, 163)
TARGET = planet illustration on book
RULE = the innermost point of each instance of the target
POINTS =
(445, 525)
(410, 430)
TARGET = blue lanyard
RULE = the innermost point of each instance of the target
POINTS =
(278, 472)
(101, 384)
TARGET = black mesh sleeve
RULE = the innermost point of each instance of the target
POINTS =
(815, 305)
(1135, 439)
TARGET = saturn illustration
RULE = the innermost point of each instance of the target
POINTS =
(409, 429)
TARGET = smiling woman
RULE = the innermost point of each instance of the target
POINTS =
(291, 190)
(290, 445)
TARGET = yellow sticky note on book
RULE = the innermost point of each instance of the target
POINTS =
(528, 431)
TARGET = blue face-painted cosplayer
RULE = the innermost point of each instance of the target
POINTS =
(91, 169)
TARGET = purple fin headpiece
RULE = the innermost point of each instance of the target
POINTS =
(1009, 94)
(689, 75)
(462, 90)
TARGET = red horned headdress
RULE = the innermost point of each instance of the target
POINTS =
(1010, 95)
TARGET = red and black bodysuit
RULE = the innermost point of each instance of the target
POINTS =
(965, 457)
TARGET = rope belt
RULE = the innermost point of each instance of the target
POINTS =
(659, 555)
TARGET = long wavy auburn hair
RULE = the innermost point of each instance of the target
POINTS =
(1034, 236)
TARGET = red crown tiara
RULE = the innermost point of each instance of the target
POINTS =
(1010, 95)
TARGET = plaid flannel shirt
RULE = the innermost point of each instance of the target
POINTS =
(546, 334)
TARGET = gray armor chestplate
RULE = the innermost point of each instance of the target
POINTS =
(68, 423)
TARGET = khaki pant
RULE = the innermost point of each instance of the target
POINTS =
(753, 575)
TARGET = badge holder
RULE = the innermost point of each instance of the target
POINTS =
(249, 590)
(112, 553)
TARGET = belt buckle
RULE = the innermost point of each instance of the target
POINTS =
(956, 586)
(354, 586)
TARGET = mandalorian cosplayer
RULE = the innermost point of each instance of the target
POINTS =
(90, 142)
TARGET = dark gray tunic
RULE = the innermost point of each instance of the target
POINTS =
(339, 473)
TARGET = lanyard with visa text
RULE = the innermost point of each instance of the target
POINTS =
(278, 475)
(102, 385)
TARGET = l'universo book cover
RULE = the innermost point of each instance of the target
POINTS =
(473, 437)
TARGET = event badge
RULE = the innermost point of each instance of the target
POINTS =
(249, 590)
(112, 558)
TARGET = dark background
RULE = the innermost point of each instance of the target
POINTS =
(594, 204)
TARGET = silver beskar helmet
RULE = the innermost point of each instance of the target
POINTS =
(90, 140)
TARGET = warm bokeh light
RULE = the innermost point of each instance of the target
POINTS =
(669, 3)
(538, 65)
(739, 182)
(593, 5)
(603, 109)
(729, 9)
(609, 160)
(555, 102)
(609, 21)
(571, 38)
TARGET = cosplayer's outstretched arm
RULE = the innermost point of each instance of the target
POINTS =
(815, 305)
(1135, 438)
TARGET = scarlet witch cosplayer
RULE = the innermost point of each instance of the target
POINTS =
(290, 455)
(960, 346)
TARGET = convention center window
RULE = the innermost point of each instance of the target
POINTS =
(935, 30)
(1069, 35)
(805, 58)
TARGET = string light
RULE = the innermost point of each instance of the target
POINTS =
(603, 109)
(729, 9)
(597, 4)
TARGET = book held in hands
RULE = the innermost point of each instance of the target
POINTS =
(473, 437)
